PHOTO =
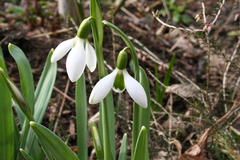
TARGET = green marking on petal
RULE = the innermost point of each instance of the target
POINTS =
(119, 82)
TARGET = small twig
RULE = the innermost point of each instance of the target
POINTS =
(204, 13)
(218, 13)
(65, 95)
(61, 107)
(50, 33)
(174, 27)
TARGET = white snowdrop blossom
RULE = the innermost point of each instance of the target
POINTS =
(79, 56)
(133, 87)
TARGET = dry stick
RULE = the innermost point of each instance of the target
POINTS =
(204, 13)
(226, 72)
(61, 107)
(208, 45)
(174, 27)
(65, 95)
(50, 33)
(166, 8)
(170, 123)
(218, 13)
(155, 59)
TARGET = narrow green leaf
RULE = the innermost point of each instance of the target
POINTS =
(42, 96)
(81, 117)
(2, 61)
(53, 143)
(144, 113)
(96, 141)
(167, 78)
(6, 118)
(25, 154)
(25, 73)
(27, 86)
(123, 149)
(140, 149)
(17, 95)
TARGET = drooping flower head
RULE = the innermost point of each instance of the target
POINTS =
(119, 80)
(81, 52)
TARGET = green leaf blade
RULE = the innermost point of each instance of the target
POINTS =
(123, 148)
(53, 143)
(25, 73)
(6, 119)
(25, 154)
(42, 96)
(140, 149)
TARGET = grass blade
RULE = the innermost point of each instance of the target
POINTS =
(167, 78)
(6, 118)
(53, 143)
(123, 149)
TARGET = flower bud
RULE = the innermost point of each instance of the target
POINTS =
(85, 28)
(122, 59)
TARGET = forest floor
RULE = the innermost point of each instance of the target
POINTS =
(199, 116)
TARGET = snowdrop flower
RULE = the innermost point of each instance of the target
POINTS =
(118, 80)
(81, 53)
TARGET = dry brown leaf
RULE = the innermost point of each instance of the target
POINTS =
(217, 62)
(184, 44)
(197, 152)
(178, 146)
(184, 90)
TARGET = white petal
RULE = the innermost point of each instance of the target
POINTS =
(62, 49)
(135, 90)
(76, 61)
(91, 58)
(102, 88)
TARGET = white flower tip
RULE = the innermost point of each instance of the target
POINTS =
(92, 69)
(91, 58)
(92, 100)
(72, 78)
(62, 49)
(135, 90)
(144, 102)
(102, 88)
(53, 58)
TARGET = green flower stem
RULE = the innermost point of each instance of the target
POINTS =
(130, 45)
(107, 117)
(81, 118)
(104, 110)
